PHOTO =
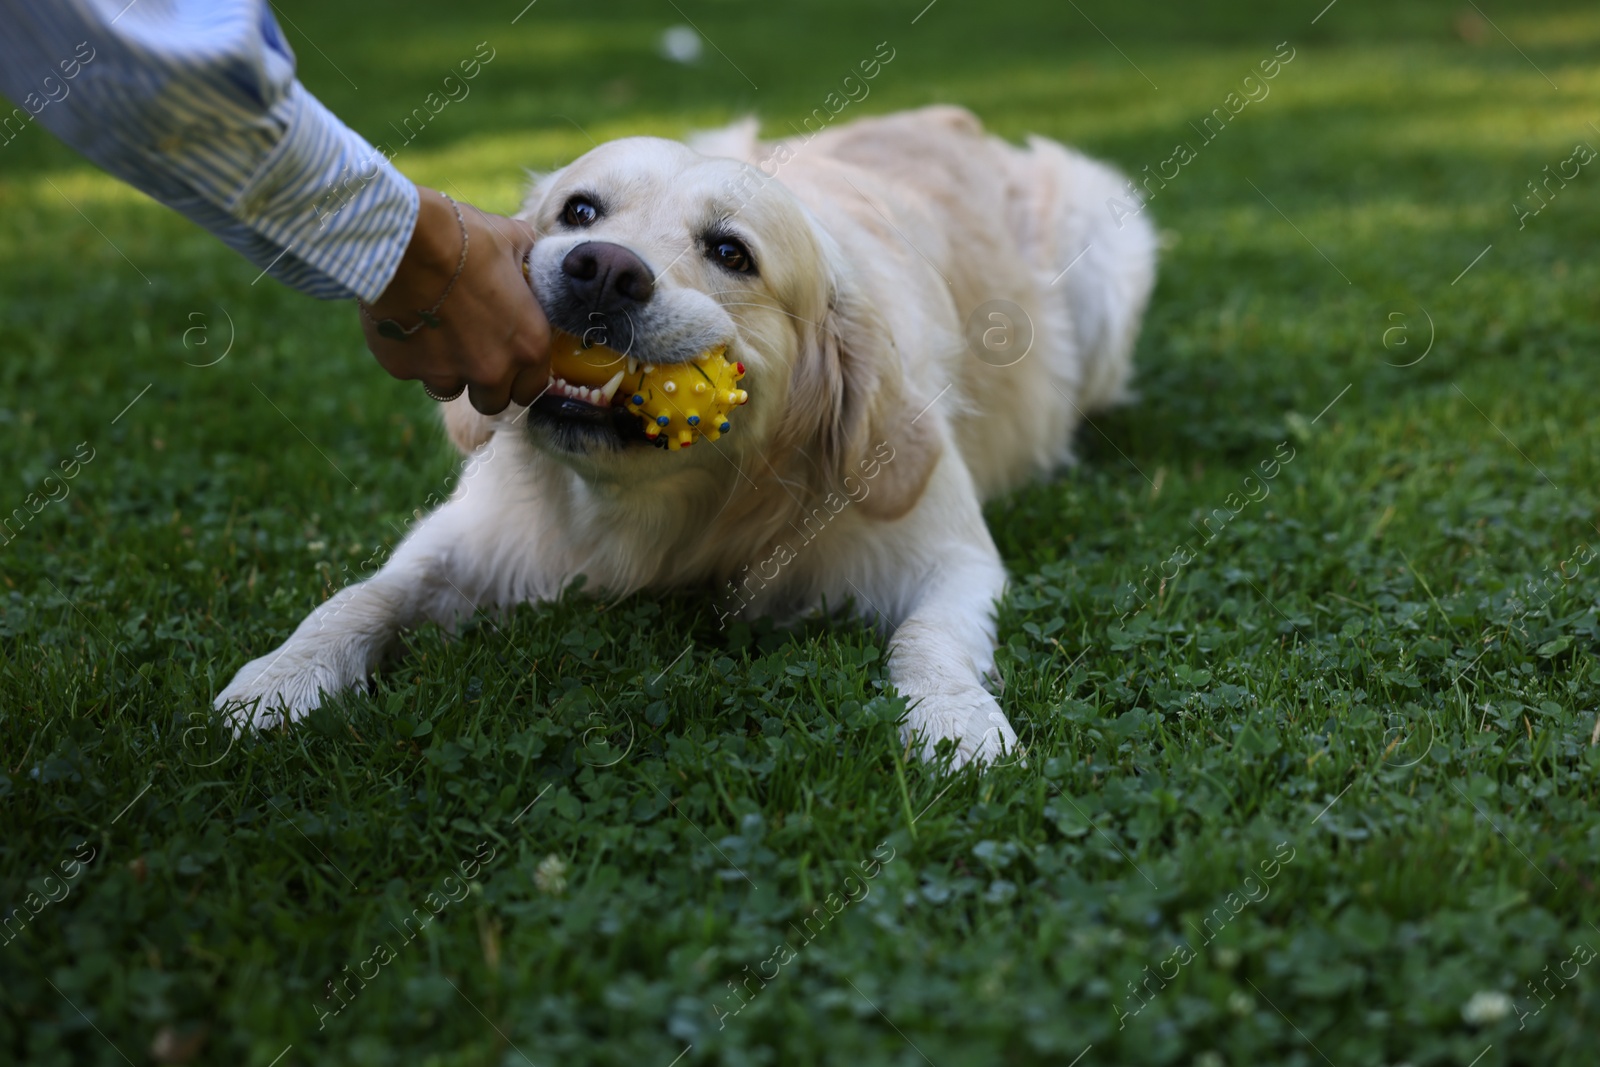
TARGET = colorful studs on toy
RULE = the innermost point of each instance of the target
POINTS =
(682, 392)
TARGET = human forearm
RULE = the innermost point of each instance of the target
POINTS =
(197, 105)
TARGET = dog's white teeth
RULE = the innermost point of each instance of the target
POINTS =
(633, 365)
(598, 397)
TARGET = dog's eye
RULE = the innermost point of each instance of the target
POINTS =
(733, 255)
(579, 212)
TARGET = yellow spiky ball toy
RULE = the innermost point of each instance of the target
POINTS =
(678, 403)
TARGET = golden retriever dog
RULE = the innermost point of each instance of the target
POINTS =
(924, 312)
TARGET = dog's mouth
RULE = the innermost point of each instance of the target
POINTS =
(582, 418)
(601, 398)
(592, 417)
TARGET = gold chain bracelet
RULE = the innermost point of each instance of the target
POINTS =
(391, 328)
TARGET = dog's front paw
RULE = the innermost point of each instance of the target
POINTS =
(285, 684)
(972, 719)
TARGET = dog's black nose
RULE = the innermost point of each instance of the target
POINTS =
(607, 276)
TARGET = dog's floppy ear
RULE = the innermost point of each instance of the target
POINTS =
(737, 140)
(852, 378)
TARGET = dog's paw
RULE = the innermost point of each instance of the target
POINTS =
(284, 685)
(972, 719)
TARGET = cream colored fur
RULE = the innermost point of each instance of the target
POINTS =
(871, 418)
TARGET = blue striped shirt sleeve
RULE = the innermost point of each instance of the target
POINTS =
(195, 102)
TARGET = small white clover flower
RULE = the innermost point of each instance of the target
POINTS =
(681, 44)
(1239, 1002)
(1486, 1007)
(551, 875)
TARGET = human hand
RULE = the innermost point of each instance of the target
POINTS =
(492, 336)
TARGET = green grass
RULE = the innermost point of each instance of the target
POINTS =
(1372, 665)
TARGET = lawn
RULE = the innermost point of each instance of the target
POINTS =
(1304, 651)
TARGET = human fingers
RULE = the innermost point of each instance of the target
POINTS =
(489, 399)
(530, 384)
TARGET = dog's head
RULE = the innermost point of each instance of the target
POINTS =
(659, 252)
